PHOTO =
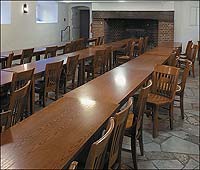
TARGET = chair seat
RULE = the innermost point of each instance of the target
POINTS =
(183, 56)
(157, 99)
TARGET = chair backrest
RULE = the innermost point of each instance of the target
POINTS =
(140, 45)
(9, 60)
(140, 107)
(79, 44)
(185, 74)
(68, 48)
(52, 75)
(27, 55)
(5, 119)
(165, 80)
(118, 133)
(128, 47)
(97, 42)
(95, 159)
(98, 61)
(18, 102)
(50, 52)
(146, 39)
(21, 78)
(188, 47)
(193, 53)
(172, 61)
(71, 66)
(131, 50)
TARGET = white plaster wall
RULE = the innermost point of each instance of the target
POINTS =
(24, 32)
(184, 30)
(134, 6)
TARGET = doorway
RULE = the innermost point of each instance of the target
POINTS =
(80, 22)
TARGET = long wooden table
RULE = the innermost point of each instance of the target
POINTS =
(55, 135)
(52, 137)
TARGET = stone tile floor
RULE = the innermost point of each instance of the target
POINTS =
(172, 149)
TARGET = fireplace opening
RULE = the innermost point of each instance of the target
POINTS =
(117, 29)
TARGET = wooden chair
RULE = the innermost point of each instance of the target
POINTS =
(181, 86)
(69, 71)
(146, 39)
(101, 42)
(5, 119)
(115, 146)
(19, 80)
(50, 52)
(26, 56)
(68, 48)
(129, 54)
(96, 68)
(96, 156)
(187, 51)
(139, 47)
(9, 60)
(73, 165)
(135, 121)
(18, 102)
(163, 92)
(50, 83)
(191, 57)
(97, 42)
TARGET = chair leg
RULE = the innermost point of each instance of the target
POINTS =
(155, 121)
(134, 151)
(64, 85)
(44, 99)
(182, 106)
(141, 144)
(193, 69)
(171, 117)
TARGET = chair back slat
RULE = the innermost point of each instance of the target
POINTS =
(140, 45)
(5, 119)
(193, 53)
(95, 159)
(108, 57)
(21, 78)
(50, 52)
(98, 61)
(188, 47)
(18, 102)
(165, 80)
(52, 75)
(9, 60)
(71, 66)
(118, 133)
(146, 39)
(27, 55)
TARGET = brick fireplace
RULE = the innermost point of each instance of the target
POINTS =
(116, 25)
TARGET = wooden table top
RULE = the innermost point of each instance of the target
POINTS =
(53, 136)
(119, 84)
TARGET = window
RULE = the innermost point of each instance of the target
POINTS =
(5, 12)
(47, 12)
